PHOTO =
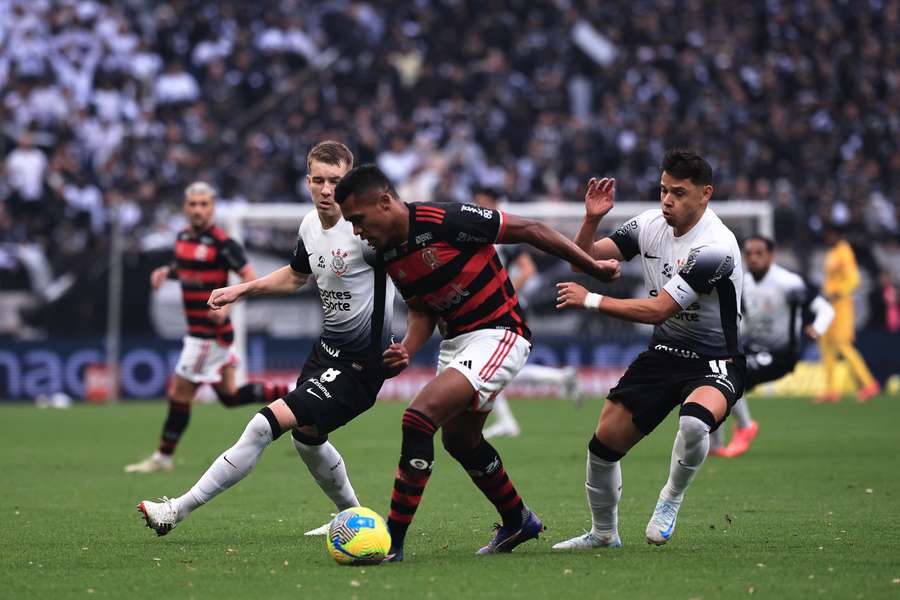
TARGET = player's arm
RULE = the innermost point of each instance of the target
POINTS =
(277, 283)
(517, 230)
(419, 328)
(821, 310)
(640, 310)
(598, 201)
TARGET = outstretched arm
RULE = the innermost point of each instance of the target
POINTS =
(598, 201)
(278, 283)
(640, 310)
(518, 230)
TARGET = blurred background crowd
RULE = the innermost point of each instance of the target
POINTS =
(108, 110)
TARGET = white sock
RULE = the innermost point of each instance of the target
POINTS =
(688, 453)
(716, 439)
(231, 466)
(741, 412)
(604, 488)
(541, 374)
(503, 413)
(327, 468)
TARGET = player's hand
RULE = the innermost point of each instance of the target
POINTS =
(608, 270)
(600, 197)
(218, 316)
(570, 294)
(224, 296)
(158, 276)
(811, 332)
(395, 358)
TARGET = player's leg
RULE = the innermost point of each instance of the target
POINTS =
(444, 397)
(703, 410)
(463, 440)
(180, 394)
(505, 424)
(828, 350)
(565, 377)
(616, 434)
(259, 392)
(326, 465)
(229, 468)
(868, 386)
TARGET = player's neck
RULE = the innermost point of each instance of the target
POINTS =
(684, 230)
(198, 230)
(328, 219)
(759, 275)
(402, 226)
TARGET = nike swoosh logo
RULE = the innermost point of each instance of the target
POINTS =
(225, 458)
(309, 391)
(646, 255)
(681, 289)
(665, 534)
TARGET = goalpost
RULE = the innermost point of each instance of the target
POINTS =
(744, 217)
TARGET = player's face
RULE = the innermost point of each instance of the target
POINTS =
(321, 181)
(682, 202)
(199, 210)
(372, 219)
(757, 256)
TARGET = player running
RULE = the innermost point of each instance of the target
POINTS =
(441, 256)
(692, 267)
(204, 255)
(344, 370)
(523, 275)
(776, 303)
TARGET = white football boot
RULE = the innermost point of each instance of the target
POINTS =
(662, 523)
(590, 541)
(323, 530)
(503, 428)
(152, 464)
(161, 516)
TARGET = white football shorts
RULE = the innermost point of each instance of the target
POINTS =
(202, 360)
(488, 358)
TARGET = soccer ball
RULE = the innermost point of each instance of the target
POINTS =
(358, 536)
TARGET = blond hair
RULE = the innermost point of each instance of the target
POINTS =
(330, 153)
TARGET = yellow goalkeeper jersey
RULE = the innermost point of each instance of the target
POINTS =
(841, 280)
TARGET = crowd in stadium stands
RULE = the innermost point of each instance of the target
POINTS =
(124, 103)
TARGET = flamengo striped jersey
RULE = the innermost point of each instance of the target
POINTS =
(448, 266)
(202, 262)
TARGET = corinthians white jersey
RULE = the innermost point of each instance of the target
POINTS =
(357, 295)
(701, 270)
(774, 307)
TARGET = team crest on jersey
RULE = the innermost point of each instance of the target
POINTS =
(430, 258)
(200, 253)
(338, 265)
(668, 270)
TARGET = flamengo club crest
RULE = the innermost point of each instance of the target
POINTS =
(200, 253)
(430, 258)
(338, 265)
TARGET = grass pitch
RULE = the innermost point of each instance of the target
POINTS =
(810, 511)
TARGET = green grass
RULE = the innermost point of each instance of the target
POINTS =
(811, 511)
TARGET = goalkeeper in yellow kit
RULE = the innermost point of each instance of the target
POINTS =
(841, 279)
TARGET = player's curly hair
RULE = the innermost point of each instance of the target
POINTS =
(361, 179)
(681, 163)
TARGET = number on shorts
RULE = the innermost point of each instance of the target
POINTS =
(719, 367)
(329, 375)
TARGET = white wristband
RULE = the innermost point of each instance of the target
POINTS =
(593, 300)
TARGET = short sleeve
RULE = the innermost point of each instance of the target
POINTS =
(626, 238)
(300, 258)
(464, 223)
(233, 255)
(704, 268)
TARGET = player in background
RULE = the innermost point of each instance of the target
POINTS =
(522, 273)
(692, 268)
(776, 305)
(841, 280)
(441, 256)
(344, 371)
(204, 255)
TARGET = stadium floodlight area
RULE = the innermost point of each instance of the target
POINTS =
(744, 217)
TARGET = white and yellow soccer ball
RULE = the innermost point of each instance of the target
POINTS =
(358, 536)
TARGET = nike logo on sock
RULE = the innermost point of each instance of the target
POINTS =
(225, 458)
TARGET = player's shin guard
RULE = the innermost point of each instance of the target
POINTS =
(603, 485)
(176, 422)
(416, 461)
(232, 465)
(486, 470)
(689, 451)
(253, 393)
(327, 467)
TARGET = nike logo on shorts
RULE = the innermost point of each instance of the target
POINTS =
(309, 391)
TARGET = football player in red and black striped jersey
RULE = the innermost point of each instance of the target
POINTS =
(204, 256)
(441, 257)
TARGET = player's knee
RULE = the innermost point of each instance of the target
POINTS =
(603, 451)
(308, 435)
(695, 422)
(269, 426)
(460, 444)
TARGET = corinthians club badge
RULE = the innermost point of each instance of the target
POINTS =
(338, 265)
